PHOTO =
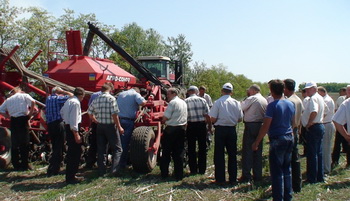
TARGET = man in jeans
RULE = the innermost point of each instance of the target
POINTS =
(313, 115)
(128, 103)
(277, 122)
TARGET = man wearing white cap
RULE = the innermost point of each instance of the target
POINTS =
(197, 118)
(313, 115)
(225, 114)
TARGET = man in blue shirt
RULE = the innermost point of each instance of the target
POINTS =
(55, 126)
(128, 103)
(278, 123)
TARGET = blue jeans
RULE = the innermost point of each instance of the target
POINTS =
(128, 126)
(280, 166)
(314, 162)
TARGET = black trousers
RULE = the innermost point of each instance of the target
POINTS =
(20, 142)
(91, 157)
(340, 140)
(73, 155)
(57, 135)
(197, 132)
(295, 164)
(251, 160)
(172, 142)
(225, 137)
(107, 133)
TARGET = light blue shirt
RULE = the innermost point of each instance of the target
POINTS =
(128, 103)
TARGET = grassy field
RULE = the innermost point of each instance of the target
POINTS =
(34, 185)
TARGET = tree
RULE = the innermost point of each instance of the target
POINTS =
(179, 49)
(137, 42)
(34, 33)
(9, 31)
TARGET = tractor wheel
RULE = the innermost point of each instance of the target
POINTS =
(5, 147)
(143, 160)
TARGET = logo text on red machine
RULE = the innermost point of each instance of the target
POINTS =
(116, 78)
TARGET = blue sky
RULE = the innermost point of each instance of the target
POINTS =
(263, 39)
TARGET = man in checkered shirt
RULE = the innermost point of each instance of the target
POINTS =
(104, 111)
(197, 110)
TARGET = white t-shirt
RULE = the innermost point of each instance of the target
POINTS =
(342, 116)
(315, 104)
(176, 112)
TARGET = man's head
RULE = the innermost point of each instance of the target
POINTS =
(202, 90)
(348, 91)
(322, 91)
(276, 88)
(289, 87)
(56, 90)
(303, 93)
(310, 88)
(79, 93)
(342, 91)
(106, 87)
(192, 90)
(171, 93)
(254, 89)
(227, 89)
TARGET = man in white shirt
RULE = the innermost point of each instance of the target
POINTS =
(342, 117)
(20, 107)
(339, 141)
(71, 115)
(313, 115)
(254, 108)
(329, 129)
(225, 115)
(173, 139)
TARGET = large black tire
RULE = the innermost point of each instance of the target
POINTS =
(5, 147)
(142, 159)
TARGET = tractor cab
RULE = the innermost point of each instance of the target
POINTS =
(167, 71)
(159, 66)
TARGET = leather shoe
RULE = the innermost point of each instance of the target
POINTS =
(75, 180)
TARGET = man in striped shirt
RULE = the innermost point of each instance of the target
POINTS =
(55, 127)
(197, 118)
(104, 111)
(20, 107)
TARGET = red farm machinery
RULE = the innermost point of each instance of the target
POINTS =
(153, 74)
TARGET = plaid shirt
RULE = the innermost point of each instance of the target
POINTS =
(197, 107)
(103, 107)
(54, 103)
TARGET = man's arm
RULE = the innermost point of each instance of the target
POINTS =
(32, 108)
(117, 124)
(311, 119)
(208, 121)
(341, 129)
(262, 132)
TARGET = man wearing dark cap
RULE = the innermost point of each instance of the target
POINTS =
(225, 114)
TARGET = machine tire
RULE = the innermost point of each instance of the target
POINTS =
(5, 147)
(142, 159)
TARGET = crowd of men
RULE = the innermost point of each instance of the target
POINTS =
(283, 116)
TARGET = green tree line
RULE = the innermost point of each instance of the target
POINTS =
(329, 86)
(37, 30)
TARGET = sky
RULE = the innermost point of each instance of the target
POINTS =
(306, 40)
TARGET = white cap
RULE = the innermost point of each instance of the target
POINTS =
(228, 86)
(310, 84)
(193, 88)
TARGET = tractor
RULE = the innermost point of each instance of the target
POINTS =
(152, 74)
